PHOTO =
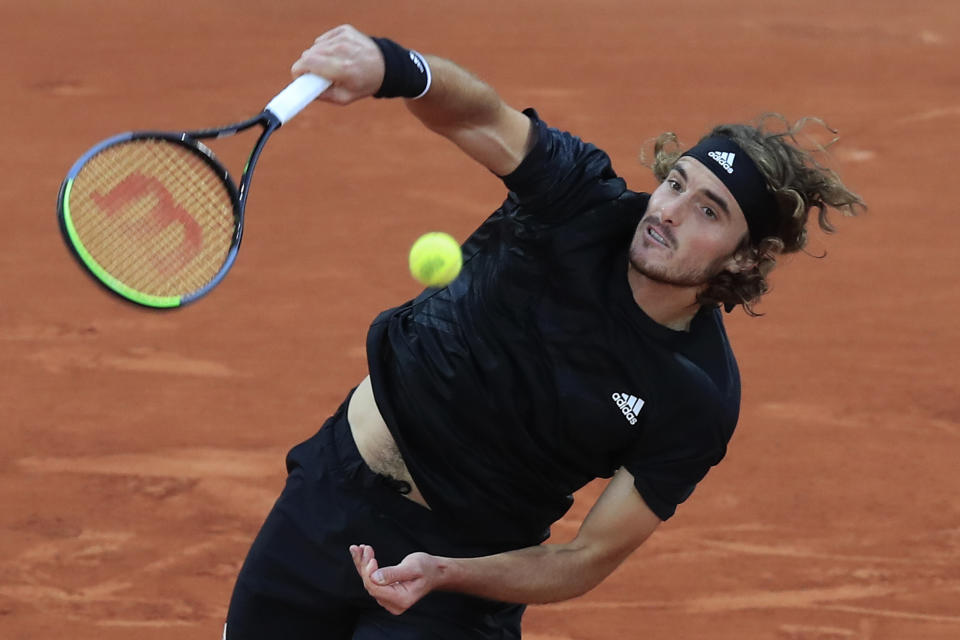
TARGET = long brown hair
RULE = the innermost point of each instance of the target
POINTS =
(799, 184)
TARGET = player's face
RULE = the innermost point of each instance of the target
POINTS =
(691, 229)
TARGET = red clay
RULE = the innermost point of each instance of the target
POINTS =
(142, 450)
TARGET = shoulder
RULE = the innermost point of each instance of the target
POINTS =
(560, 165)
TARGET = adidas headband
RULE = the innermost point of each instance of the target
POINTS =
(740, 175)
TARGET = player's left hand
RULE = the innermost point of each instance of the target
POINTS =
(396, 588)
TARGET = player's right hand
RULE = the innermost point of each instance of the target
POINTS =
(349, 59)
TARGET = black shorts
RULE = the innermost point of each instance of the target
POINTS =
(299, 581)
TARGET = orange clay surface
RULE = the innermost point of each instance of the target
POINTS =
(142, 450)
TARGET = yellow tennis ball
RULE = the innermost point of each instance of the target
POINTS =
(435, 259)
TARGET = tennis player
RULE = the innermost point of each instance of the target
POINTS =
(583, 339)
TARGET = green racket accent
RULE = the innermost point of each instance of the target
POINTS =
(157, 212)
(101, 273)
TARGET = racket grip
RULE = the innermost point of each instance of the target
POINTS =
(296, 96)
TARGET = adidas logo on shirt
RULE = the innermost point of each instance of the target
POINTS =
(724, 159)
(629, 406)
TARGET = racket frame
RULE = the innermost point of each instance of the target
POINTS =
(191, 141)
(284, 106)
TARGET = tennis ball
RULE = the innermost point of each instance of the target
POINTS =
(435, 259)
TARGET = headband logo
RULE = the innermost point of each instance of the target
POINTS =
(724, 159)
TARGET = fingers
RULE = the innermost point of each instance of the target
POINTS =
(336, 31)
(319, 60)
(394, 591)
(364, 560)
(346, 57)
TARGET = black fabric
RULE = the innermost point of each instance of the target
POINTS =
(406, 74)
(298, 581)
(736, 170)
(510, 389)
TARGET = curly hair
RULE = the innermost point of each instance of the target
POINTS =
(799, 184)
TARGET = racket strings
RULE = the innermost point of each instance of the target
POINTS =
(154, 215)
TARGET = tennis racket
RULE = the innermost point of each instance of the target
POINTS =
(155, 217)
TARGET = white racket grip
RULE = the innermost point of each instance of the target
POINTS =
(296, 96)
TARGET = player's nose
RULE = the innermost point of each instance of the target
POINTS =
(675, 211)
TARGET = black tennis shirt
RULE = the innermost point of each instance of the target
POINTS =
(535, 371)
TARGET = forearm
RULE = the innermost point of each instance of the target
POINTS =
(466, 110)
(617, 524)
(456, 98)
(533, 575)
(457, 104)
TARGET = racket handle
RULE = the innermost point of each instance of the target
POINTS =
(296, 96)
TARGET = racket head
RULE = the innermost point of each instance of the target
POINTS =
(152, 216)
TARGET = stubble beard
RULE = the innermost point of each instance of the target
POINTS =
(684, 279)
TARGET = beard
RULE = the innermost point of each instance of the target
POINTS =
(689, 278)
(664, 274)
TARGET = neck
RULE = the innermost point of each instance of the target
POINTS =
(670, 305)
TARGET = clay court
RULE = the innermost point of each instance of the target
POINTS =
(142, 450)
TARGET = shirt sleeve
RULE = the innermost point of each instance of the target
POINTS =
(669, 462)
(561, 175)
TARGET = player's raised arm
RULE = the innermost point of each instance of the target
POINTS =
(469, 112)
(445, 97)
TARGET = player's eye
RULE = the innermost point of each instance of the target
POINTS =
(674, 184)
(710, 213)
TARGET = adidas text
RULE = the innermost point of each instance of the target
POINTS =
(629, 406)
(724, 159)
